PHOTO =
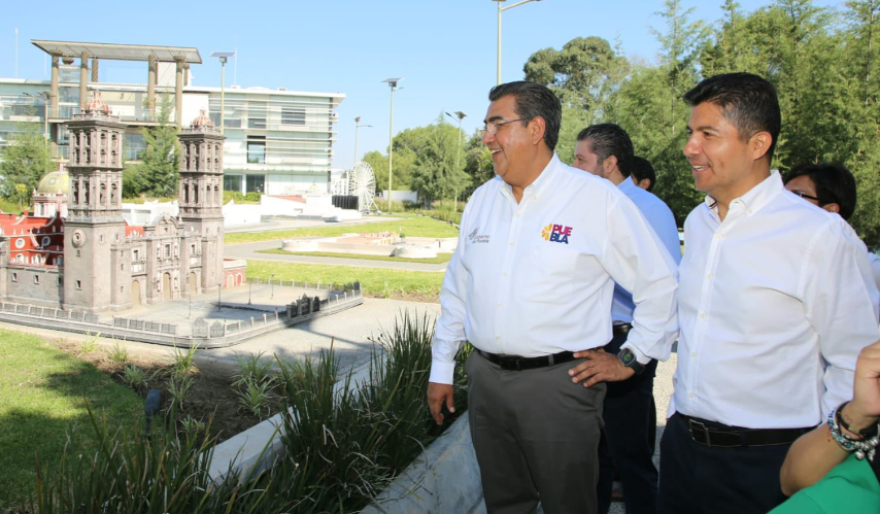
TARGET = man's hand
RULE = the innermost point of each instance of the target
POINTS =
(437, 395)
(599, 367)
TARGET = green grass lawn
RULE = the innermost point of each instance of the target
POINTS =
(440, 259)
(42, 401)
(384, 283)
(412, 226)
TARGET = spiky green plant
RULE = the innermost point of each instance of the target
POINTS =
(252, 368)
(254, 397)
(118, 354)
(134, 377)
(178, 389)
(183, 364)
(139, 475)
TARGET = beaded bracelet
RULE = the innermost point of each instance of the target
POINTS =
(861, 447)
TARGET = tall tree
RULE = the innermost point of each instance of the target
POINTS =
(586, 74)
(23, 162)
(435, 174)
(159, 166)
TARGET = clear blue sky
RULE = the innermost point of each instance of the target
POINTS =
(444, 49)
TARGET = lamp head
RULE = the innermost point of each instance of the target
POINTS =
(393, 82)
(223, 56)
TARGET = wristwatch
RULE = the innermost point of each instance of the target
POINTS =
(628, 359)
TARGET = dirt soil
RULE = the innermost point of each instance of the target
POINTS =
(211, 397)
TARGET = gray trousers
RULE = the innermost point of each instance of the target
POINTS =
(536, 436)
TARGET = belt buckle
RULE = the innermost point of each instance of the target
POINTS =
(700, 426)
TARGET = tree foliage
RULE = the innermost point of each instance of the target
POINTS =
(23, 162)
(157, 173)
(823, 62)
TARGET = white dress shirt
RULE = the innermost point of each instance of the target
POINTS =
(535, 278)
(662, 221)
(875, 267)
(775, 303)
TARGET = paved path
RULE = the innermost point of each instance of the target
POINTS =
(250, 251)
(281, 223)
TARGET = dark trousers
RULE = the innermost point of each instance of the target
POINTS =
(700, 479)
(627, 444)
(535, 434)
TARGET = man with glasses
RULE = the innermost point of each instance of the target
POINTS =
(832, 187)
(531, 281)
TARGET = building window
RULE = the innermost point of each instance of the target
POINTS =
(14, 276)
(134, 256)
(122, 267)
(36, 279)
(102, 238)
(60, 281)
(232, 183)
(192, 249)
(79, 284)
(167, 251)
(255, 184)
(77, 253)
(256, 152)
(293, 116)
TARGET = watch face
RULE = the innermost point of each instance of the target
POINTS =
(627, 358)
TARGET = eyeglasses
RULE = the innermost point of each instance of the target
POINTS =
(492, 127)
(808, 197)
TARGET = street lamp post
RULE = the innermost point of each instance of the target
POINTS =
(250, 286)
(357, 125)
(219, 296)
(460, 115)
(393, 84)
(223, 56)
(272, 286)
(500, 10)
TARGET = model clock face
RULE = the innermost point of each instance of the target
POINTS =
(78, 238)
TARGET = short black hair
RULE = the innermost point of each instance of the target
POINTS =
(607, 139)
(834, 184)
(642, 169)
(533, 100)
(748, 101)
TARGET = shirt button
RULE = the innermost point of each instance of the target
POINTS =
(505, 273)
(500, 305)
(518, 215)
(510, 243)
(497, 338)
(690, 395)
(693, 354)
(709, 276)
(702, 314)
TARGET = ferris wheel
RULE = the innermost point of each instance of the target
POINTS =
(362, 183)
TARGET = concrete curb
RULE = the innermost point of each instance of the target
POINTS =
(444, 479)
(257, 448)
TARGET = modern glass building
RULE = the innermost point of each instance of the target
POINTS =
(278, 142)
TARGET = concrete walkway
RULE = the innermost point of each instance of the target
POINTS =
(280, 223)
(250, 251)
(349, 332)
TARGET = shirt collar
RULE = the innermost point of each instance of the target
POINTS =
(540, 184)
(756, 198)
(627, 184)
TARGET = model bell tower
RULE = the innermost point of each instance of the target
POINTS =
(94, 222)
(200, 195)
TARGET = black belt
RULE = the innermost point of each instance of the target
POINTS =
(517, 363)
(621, 329)
(711, 433)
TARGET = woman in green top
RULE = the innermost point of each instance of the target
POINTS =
(834, 467)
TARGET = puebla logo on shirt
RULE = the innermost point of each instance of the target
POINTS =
(556, 233)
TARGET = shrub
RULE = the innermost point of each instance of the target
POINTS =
(134, 377)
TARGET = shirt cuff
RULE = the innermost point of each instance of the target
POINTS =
(641, 357)
(442, 372)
